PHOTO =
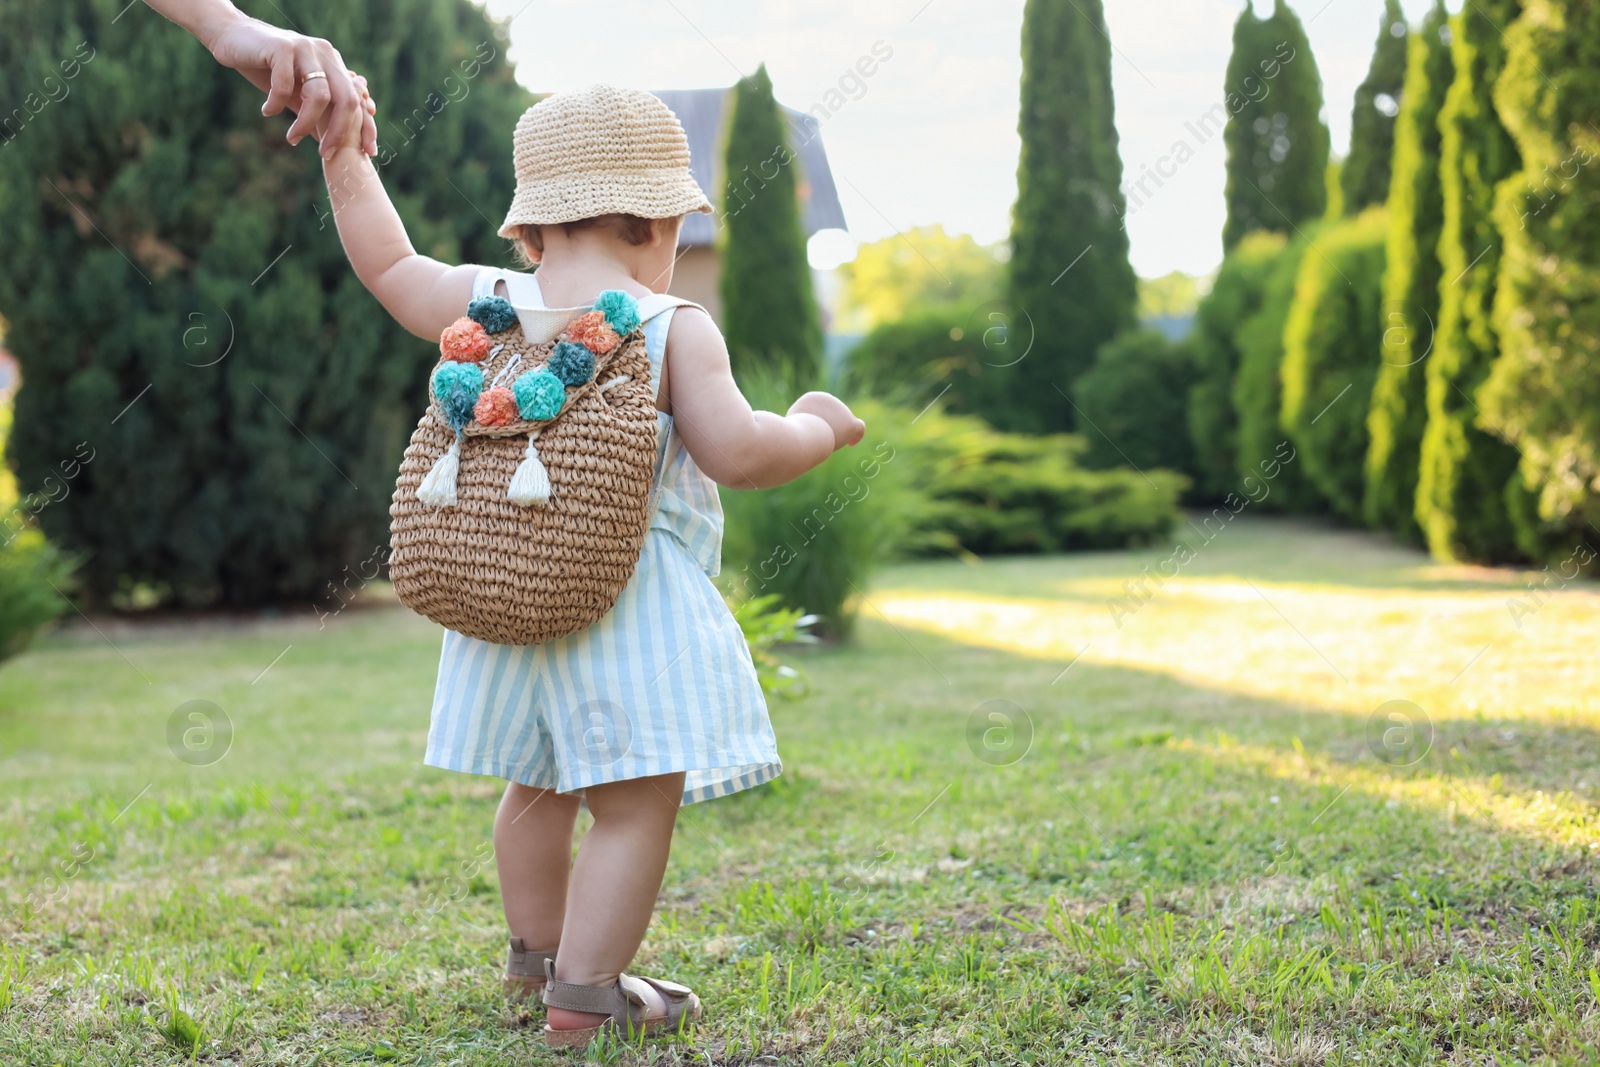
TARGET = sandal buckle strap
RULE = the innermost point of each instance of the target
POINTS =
(524, 962)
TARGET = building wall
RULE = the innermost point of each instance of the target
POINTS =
(697, 277)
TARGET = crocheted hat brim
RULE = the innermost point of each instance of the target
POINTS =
(652, 194)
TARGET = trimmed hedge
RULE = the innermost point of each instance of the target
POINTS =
(992, 493)
(1331, 344)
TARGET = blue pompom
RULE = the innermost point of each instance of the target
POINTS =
(539, 394)
(572, 363)
(622, 311)
(456, 387)
(493, 313)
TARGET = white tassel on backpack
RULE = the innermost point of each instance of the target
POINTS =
(530, 484)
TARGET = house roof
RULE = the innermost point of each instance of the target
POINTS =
(703, 113)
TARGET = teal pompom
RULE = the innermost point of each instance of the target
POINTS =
(494, 313)
(622, 311)
(456, 387)
(539, 394)
(572, 363)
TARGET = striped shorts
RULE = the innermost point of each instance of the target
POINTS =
(662, 683)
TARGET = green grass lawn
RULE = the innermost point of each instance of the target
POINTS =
(1015, 826)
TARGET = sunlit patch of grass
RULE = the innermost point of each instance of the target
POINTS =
(1457, 654)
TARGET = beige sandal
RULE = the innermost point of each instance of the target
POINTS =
(525, 969)
(626, 1004)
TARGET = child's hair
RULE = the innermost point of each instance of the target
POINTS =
(631, 228)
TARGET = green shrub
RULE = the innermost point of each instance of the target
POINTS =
(992, 493)
(815, 542)
(766, 625)
(966, 358)
(1132, 404)
(1331, 347)
(1258, 389)
(1234, 298)
(31, 570)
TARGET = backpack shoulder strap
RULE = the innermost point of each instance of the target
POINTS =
(483, 282)
(656, 303)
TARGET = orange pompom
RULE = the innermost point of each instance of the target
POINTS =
(593, 332)
(496, 407)
(464, 341)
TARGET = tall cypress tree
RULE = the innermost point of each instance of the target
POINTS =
(1264, 450)
(1410, 284)
(1365, 177)
(1069, 272)
(1330, 354)
(181, 306)
(1277, 142)
(1465, 493)
(768, 307)
(1213, 421)
(1544, 389)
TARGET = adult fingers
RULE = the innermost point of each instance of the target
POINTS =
(285, 84)
(315, 93)
(345, 98)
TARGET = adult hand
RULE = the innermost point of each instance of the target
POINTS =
(279, 62)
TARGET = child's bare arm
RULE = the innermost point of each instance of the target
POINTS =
(735, 446)
(422, 294)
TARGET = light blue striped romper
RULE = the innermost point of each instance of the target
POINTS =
(662, 683)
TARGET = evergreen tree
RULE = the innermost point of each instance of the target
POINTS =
(1365, 178)
(1410, 285)
(181, 306)
(1069, 273)
(1465, 495)
(1543, 391)
(1235, 296)
(769, 311)
(1264, 451)
(1330, 355)
(1276, 139)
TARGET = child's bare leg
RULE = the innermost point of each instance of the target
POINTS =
(615, 880)
(533, 852)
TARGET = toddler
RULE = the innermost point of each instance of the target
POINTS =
(657, 704)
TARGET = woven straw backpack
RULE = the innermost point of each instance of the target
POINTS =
(525, 493)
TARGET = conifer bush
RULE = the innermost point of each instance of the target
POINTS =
(178, 298)
(1543, 392)
(1331, 345)
(1399, 410)
(1468, 488)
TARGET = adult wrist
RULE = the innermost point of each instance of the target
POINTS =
(214, 18)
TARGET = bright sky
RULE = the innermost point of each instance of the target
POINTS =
(931, 136)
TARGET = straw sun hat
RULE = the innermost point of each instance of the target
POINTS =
(600, 151)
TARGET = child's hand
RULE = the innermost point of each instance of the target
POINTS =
(847, 429)
(352, 132)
